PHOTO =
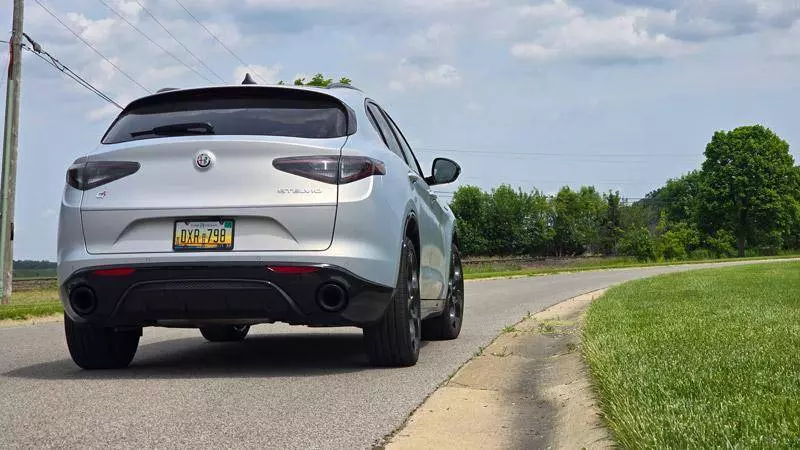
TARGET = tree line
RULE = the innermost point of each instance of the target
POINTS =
(743, 200)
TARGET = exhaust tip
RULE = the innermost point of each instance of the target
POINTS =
(331, 297)
(82, 300)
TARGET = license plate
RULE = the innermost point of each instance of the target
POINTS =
(203, 235)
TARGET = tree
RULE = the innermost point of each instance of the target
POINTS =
(638, 243)
(469, 207)
(576, 217)
(504, 221)
(536, 230)
(318, 80)
(678, 198)
(676, 239)
(611, 227)
(748, 186)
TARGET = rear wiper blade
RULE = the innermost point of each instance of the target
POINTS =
(178, 128)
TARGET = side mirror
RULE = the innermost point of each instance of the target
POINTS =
(444, 171)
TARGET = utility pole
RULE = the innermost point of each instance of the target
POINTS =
(10, 140)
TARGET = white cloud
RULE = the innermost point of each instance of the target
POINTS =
(548, 12)
(129, 9)
(294, 4)
(573, 34)
(103, 113)
(532, 50)
(164, 74)
(445, 4)
(94, 31)
(443, 74)
(49, 213)
(785, 45)
(436, 38)
(408, 75)
(261, 74)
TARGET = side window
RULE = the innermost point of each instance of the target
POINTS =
(379, 122)
(411, 159)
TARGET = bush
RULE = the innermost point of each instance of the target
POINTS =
(722, 244)
(639, 244)
(678, 241)
(700, 254)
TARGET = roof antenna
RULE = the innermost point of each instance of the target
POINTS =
(248, 79)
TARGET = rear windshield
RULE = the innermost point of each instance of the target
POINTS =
(232, 111)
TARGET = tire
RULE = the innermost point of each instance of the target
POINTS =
(100, 348)
(448, 324)
(225, 333)
(395, 340)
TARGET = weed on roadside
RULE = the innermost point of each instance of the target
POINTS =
(503, 353)
(571, 347)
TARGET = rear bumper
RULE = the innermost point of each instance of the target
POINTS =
(197, 293)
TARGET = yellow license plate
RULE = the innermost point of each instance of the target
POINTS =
(203, 235)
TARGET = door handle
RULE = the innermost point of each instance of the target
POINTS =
(432, 195)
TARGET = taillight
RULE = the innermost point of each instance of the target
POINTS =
(116, 272)
(292, 270)
(85, 176)
(331, 169)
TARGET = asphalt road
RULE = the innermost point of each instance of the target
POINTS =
(283, 387)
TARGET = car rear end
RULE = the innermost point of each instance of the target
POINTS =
(219, 205)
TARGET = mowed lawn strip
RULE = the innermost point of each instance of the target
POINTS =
(509, 269)
(701, 359)
(32, 299)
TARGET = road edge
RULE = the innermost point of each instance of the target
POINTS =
(530, 387)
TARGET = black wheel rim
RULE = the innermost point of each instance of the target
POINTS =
(455, 296)
(414, 314)
(239, 329)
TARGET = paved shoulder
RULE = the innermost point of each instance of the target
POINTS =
(528, 389)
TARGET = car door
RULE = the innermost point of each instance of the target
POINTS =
(433, 251)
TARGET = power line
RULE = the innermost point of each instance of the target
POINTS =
(241, 61)
(599, 155)
(560, 181)
(91, 46)
(58, 65)
(154, 42)
(164, 27)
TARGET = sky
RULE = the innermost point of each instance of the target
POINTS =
(619, 94)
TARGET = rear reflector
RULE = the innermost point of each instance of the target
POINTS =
(292, 269)
(331, 169)
(118, 272)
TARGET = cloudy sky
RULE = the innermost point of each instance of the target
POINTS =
(620, 94)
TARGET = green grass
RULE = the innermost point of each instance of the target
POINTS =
(702, 359)
(26, 304)
(510, 270)
(34, 273)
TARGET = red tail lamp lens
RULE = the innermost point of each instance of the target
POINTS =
(331, 169)
(118, 272)
(288, 270)
(89, 175)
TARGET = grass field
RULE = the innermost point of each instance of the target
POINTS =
(32, 298)
(509, 269)
(34, 273)
(702, 359)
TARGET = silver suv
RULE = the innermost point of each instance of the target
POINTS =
(222, 207)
